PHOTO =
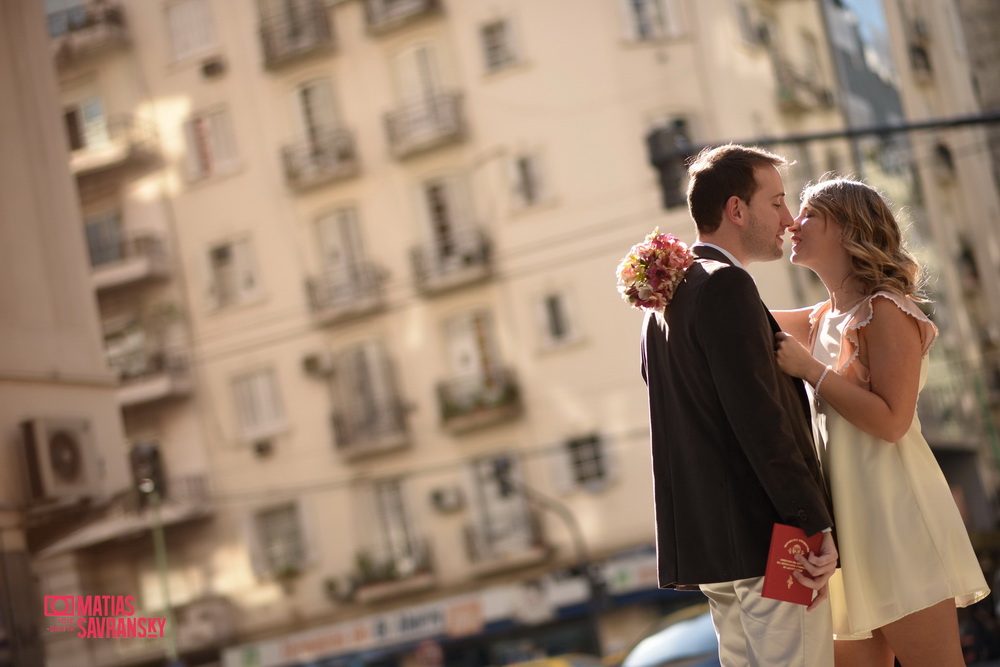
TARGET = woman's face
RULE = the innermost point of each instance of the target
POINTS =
(815, 238)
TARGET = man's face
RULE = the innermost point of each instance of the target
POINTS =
(768, 217)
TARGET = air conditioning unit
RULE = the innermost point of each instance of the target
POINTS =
(60, 459)
(319, 364)
(213, 67)
(447, 499)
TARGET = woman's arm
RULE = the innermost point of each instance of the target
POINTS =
(893, 349)
(795, 322)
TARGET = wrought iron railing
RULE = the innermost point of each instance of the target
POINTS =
(177, 490)
(300, 29)
(356, 285)
(369, 423)
(481, 393)
(486, 541)
(132, 246)
(424, 123)
(328, 155)
(138, 365)
(386, 14)
(381, 566)
(84, 16)
(454, 252)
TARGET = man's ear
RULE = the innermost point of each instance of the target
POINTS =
(735, 211)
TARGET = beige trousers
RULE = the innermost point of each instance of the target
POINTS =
(759, 632)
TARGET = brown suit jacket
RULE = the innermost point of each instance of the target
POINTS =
(731, 436)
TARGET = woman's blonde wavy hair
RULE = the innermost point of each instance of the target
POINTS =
(870, 234)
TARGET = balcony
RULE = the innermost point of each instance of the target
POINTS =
(495, 548)
(86, 30)
(366, 430)
(461, 257)
(337, 296)
(147, 377)
(948, 408)
(796, 91)
(186, 499)
(124, 141)
(386, 15)
(326, 158)
(389, 576)
(303, 29)
(425, 124)
(128, 261)
(476, 401)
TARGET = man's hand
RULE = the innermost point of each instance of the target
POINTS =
(818, 568)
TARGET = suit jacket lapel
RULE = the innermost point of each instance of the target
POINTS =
(707, 252)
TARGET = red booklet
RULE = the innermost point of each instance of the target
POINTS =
(779, 584)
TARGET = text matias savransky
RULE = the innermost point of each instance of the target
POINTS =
(102, 616)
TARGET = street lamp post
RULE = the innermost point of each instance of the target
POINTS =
(148, 487)
(595, 582)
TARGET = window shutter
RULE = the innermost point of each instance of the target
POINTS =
(192, 158)
(561, 469)
(246, 272)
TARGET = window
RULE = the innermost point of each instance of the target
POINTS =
(280, 540)
(315, 111)
(104, 239)
(65, 15)
(192, 31)
(526, 182)
(587, 461)
(653, 19)
(556, 319)
(258, 405)
(232, 279)
(86, 124)
(396, 533)
(670, 146)
(368, 400)
(583, 462)
(502, 521)
(211, 148)
(498, 47)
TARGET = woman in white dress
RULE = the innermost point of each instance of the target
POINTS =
(905, 556)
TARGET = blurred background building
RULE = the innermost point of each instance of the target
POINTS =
(352, 264)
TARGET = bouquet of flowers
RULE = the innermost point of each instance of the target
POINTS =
(652, 270)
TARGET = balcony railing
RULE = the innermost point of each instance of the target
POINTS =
(84, 30)
(186, 499)
(335, 296)
(425, 124)
(476, 401)
(386, 15)
(126, 141)
(297, 32)
(327, 157)
(948, 409)
(459, 258)
(151, 376)
(381, 575)
(796, 91)
(505, 545)
(129, 260)
(371, 429)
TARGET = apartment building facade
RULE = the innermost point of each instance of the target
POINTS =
(63, 442)
(354, 262)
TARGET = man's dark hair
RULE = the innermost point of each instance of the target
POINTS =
(716, 174)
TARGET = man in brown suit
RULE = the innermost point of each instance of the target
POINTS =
(731, 436)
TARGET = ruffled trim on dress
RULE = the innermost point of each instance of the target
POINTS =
(862, 317)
